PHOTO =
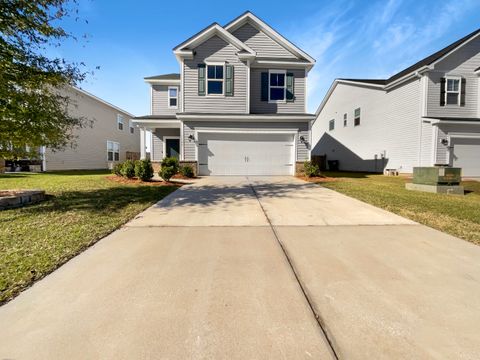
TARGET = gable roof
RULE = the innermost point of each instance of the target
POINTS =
(207, 33)
(252, 19)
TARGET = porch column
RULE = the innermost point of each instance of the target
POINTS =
(143, 143)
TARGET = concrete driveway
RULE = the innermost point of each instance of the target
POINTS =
(256, 268)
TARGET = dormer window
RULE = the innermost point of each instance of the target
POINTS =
(277, 86)
(173, 97)
(215, 79)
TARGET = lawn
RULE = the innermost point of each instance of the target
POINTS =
(82, 207)
(455, 215)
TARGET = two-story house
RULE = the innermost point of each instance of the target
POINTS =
(427, 114)
(238, 105)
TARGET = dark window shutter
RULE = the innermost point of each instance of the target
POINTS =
(290, 87)
(264, 95)
(201, 79)
(462, 93)
(442, 92)
(228, 80)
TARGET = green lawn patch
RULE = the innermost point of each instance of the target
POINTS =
(455, 215)
(82, 207)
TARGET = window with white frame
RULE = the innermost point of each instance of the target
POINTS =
(173, 97)
(356, 120)
(132, 127)
(113, 151)
(452, 90)
(345, 119)
(120, 122)
(215, 79)
(331, 125)
(276, 85)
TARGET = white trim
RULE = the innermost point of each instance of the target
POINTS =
(261, 25)
(306, 91)
(182, 156)
(424, 95)
(234, 117)
(182, 70)
(460, 135)
(113, 150)
(169, 97)
(260, 63)
(435, 144)
(413, 74)
(222, 80)
(151, 100)
(247, 110)
(102, 101)
(454, 122)
(120, 120)
(164, 154)
(278, 71)
(458, 92)
(162, 81)
(206, 34)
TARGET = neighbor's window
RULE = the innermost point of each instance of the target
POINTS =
(344, 119)
(356, 120)
(215, 79)
(132, 128)
(277, 88)
(331, 125)
(120, 122)
(113, 151)
(452, 92)
(172, 97)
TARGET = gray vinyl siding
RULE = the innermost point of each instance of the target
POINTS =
(189, 129)
(257, 106)
(462, 63)
(389, 124)
(215, 49)
(157, 141)
(89, 150)
(160, 100)
(442, 151)
(260, 42)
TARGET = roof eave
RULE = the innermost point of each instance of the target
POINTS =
(414, 74)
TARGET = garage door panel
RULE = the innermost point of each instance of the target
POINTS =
(466, 155)
(246, 154)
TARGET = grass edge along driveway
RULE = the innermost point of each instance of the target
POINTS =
(82, 208)
(456, 215)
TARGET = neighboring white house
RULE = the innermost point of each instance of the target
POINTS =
(427, 114)
(109, 139)
(238, 104)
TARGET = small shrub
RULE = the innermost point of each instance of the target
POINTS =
(117, 169)
(169, 168)
(311, 169)
(187, 171)
(143, 170)
(128, 169)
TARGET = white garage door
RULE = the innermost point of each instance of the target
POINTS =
(466, 154)
(245, 154)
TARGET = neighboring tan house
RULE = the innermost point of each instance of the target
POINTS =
(111, 138)
(427, 114)
(238, 105)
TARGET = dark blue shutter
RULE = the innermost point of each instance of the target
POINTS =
(442, 91)
(290, 87)
(201, 79)
(264, 91)
(462, 92)
(228, 80)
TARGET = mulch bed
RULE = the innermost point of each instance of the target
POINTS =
(317, 179)
(135, 181)
(181, 177)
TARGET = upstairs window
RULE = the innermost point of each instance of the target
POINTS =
(277, 88)
(356, 120)
(113, 151)
(331, 125)
(214, 79)
(120, 122)
(344, 120)
(173, 97)
(452, 93)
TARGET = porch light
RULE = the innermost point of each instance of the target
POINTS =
(302, 139)
(444, 142)
(191, 137)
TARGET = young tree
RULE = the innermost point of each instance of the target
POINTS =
(33, 109)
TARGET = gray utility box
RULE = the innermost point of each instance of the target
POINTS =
(437, 175)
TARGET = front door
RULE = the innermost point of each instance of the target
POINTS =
(172, 147)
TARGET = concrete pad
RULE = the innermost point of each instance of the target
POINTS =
(210, 201)
(391, 292)
(289, 201)
(173, 293)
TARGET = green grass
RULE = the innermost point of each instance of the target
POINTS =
(82, 207)
(455, 215)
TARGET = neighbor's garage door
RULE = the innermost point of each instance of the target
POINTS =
(466, 154)
(245, 154)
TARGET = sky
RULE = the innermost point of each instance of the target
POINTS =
(129, 40)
